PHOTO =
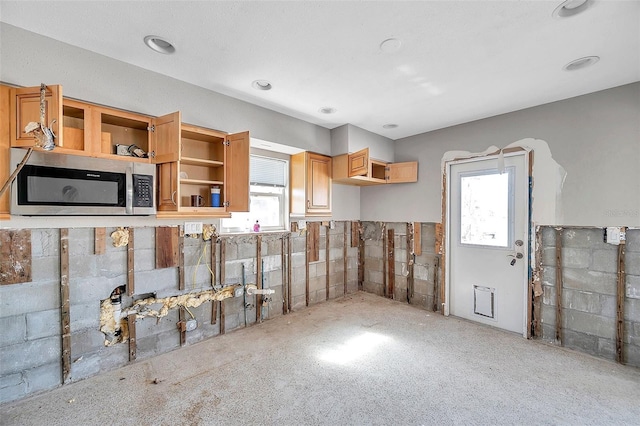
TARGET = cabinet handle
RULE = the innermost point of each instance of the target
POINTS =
(308, 204)
(172, 198)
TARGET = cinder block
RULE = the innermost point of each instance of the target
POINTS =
(82, 266)
(549, 256)
(159, 281)
(591, 238)
(44, 268)
(548, 236)
(575, 257)
(298, 259)
(45, 242)
(81, 241)
(632, 310)
(632, 355)
(43, 324)
(91, 289)
(633, 287)
(87, 366)
(14, 330)
(605, 261)
(633, 240)
(86, 341)
(44, 377)
(594, 325)
(373, 264)
(581, 341)
(428, 237)
(298, 244)
(548, 317)
(606, 349)
(373, 251)
(145, 238)
(10, 380)
(548, 333)
(112, 264)
(230, 250)
(317, 283)
(632, 263)
(586, 280)
(145, 259)
(299, 302)
(421, 272)
(29, 297)
(41, 352)
(581, 301)
(247, 249)
(549, 295)
(114, 357)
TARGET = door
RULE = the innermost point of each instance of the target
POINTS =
(318, 185)
(236, 166)
(359, 163)
(165, 138)
(402, 172)
(25, 107)
(487, 241)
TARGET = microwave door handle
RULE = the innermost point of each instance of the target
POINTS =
(129, 190)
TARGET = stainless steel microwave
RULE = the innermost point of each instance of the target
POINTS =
(59, 184)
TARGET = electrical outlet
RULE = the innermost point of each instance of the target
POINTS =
(193, 227)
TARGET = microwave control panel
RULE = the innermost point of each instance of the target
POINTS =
(142, 191)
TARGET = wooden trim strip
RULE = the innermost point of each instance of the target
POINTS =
(537, 285)
(385, 261)
(133, 349)
(283, 265)
(327, 237)
(99, 242)
(345, 258)
(222, 316)
(620, 295)
(131, 284)
(360, 257)
(559, 286)
(410, 253)
(306, 261)
(259, 297)
(391, 262)
(65, 318)
(214, 304)
(289, 273)
(182, 326)
(181, 260)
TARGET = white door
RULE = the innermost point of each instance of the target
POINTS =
(487, 241)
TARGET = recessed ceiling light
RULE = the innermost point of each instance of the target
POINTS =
(571, 7)
(390, 126)
(159, 44)
(391, 45)
(581, 63)
(261, 85)
(327, 110)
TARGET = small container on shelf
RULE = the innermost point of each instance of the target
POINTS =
(256, 227)
(215, 196)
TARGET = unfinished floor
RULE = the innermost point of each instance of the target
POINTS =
(358, 360)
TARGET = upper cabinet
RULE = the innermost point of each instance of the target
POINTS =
(193, 162)
(210, 177)
(310, 183)
(359, 169)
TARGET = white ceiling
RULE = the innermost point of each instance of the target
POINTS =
(459, 60)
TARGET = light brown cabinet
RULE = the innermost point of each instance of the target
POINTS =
(359, 169)
(5, 144)
(310, 184)
(191, 160)
(205, 159)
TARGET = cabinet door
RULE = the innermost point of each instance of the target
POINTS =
(165, 138)
(5, 136)
(318, 184)
(25, 107)
(236, 166)
(359, 163)
(402, 172)
(167, 182)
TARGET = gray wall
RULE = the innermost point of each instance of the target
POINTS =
(595, 137)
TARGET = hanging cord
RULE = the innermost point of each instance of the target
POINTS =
(16, 171)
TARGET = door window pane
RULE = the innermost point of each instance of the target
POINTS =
(485, 214)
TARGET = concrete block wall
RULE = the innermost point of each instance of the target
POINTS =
(30, 342)
(589, 270)
(426, 271)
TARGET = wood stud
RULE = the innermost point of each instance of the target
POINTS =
(131, 284)
(536, 316)
(65, 318)
(559, 286)
(392, 264)
(327, 239)
(620, 295)
(167, 246)
(99, 244)
(289, 274)
(181, 261)
(214, 304)
(131, 323)
(259, 272)
(222, 281)
(15, 256)
(345, 259)
(410, 259)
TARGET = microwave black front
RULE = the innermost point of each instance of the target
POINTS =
(48, 186)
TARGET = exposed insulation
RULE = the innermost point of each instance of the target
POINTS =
(120, 237)
(116, 329)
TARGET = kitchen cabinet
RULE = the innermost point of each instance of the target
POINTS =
(190, 160)
(5, 144)
(359, 169)
(206, 159)
(310, 183)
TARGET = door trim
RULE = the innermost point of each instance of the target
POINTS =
(446, 221)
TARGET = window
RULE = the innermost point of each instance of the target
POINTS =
(268, 179)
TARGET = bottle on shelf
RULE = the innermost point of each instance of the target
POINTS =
(256, 227)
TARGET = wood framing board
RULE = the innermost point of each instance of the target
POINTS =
(559, 286)
(327, 263)
(345, 258)
(417, 239)
(214, 305)
(385, 261)
(620, 295)
(392, 264)
(131, 283)
(283, 263)
(289, 273)
(313, 241)
(133, 350)
(167, 246)
(410, 258)
(307, 256)
(436, 283)
(65, 315)
(360, 259)
(15, 256)
(99, 243)
(259, 297)
(536, 316)
(182, 326)
(222, 317)
(181, 285)
(223, 249)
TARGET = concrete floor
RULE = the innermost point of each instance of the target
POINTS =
(359, 360)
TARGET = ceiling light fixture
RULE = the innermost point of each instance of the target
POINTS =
(390, 126)
(327, 110)
(581, 63)
(261, 85)
(570, 8)
(391, 45)
(159, 44)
